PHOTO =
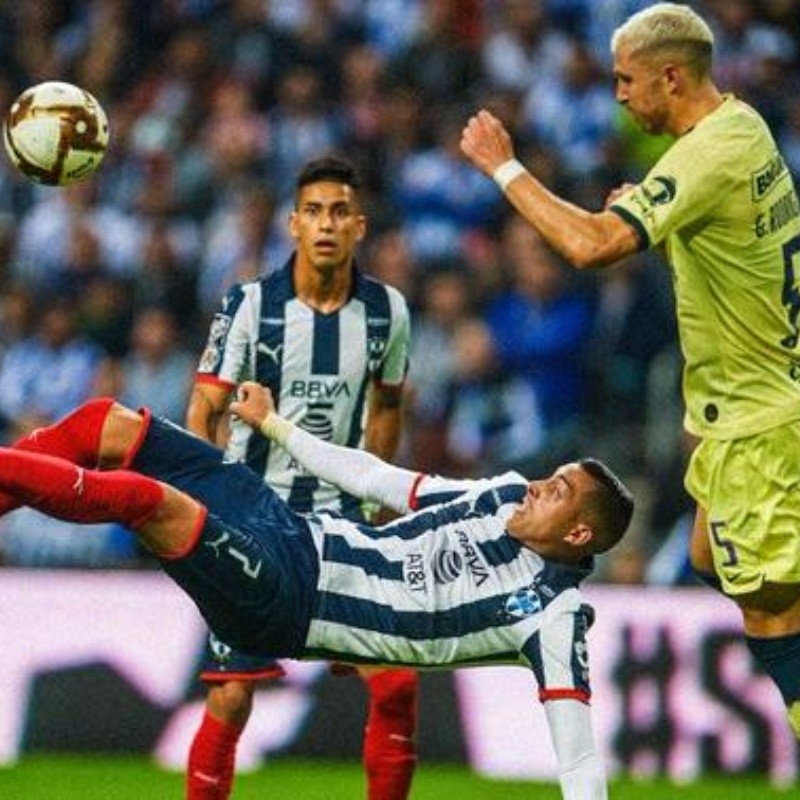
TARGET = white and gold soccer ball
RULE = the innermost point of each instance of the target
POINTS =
(56, 133)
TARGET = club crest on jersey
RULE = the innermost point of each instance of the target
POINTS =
(523, 603)
(660, 190)
(529, 600)
(376, 347)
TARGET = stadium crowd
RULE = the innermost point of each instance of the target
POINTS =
(107, 287)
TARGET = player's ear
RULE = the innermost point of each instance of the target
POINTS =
(294, 231)
(674, 76)
(580, 535)
(361, 227)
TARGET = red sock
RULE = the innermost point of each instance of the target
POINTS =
(69, 492)
(389, 749)
(75, 438)
(212, 759)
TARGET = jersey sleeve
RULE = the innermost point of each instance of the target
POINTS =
(557, 652)
(225, 358)
(394, 366)
(430, 490)
(684, 185)
(357, 472)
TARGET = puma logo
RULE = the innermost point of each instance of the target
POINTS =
(77, 487)
(273, 353)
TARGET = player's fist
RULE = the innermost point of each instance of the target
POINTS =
(615, 194)
(253, 403)
(486, 143)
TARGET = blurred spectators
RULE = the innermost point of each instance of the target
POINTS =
(17, 308)
(444, 301)
(391, 25)
(46, 231)
(493, 420)
(441, 63)
(440, 198)
(573, 113)
(303, 123)
(541, 329)
(31, 539)
(789, 138)
(157, 371)
(520, 49)
(633, 324)
(240, 237)
(47, 373)
(166, 280)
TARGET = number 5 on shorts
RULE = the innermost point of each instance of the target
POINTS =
(723, 543)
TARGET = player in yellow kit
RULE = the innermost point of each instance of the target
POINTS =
(721, 204)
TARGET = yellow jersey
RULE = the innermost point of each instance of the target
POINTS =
(722, 204)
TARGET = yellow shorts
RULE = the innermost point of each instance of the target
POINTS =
(750, 490)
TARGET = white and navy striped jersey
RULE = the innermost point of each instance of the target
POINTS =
(446, 586)
(318, 367)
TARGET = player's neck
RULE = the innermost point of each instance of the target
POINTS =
(324, 290)
(704, 102)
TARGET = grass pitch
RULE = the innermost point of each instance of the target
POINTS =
(116, 778)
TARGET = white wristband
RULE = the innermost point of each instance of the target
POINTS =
(276, 428)
(506, 173)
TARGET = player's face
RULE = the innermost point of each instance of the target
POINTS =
(326, 225)
(641, 86)
(551, 510)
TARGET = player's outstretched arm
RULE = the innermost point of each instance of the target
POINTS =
(355, 471)
(584, 238)
(581, 773)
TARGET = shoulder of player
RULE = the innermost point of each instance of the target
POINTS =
(376, 293)
(369, 283)
(273, 285)
(733, 130)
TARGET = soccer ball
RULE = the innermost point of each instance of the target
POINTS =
(56, 133)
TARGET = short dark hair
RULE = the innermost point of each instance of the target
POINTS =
(328, 168)
(610, 504)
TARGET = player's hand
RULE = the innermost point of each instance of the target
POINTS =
(486, 143)
(615, 194)
(253, 403)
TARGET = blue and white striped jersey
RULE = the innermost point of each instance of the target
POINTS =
(447, 586)
(318, 367)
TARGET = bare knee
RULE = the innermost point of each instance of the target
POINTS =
(172, 530)
(231, 701)
(122, 429)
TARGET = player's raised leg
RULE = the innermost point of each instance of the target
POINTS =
(98, 433)
(165, 519)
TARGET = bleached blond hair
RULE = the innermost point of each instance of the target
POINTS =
(668, 31)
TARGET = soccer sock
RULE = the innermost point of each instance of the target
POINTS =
(212, 759)
(69, 492)
(389, 748)
(780, 658)
(75, 438)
